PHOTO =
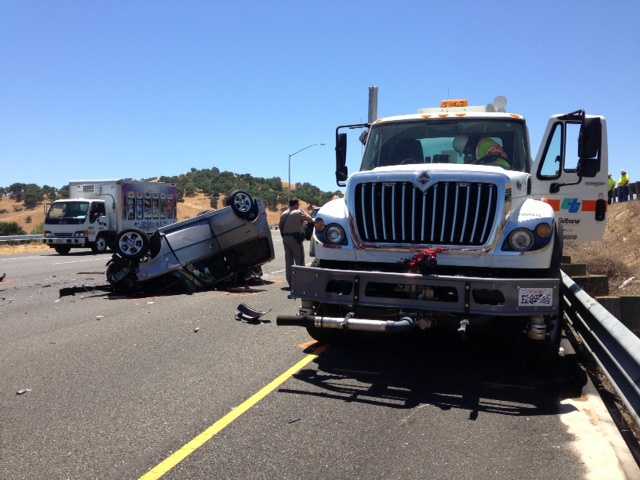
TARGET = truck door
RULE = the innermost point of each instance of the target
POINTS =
(570, 174)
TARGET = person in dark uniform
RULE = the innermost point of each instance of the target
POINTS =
(292, 228)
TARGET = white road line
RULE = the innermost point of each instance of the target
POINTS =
(79, 261)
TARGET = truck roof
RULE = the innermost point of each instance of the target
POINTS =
(443, 113)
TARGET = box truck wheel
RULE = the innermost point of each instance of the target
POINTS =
(132, 244)
(100, 245)
(62, 249)
(243, 205)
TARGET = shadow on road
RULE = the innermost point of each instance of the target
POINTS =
(157, 288)
(483, 375)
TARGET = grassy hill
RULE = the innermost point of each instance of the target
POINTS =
(198, 190)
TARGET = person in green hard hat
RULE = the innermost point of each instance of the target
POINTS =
(490, 152)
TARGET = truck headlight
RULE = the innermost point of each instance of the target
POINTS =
(521, 240)
(79, 234)
(334, 234)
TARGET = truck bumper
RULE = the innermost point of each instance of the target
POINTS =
(72, 242)
(428, 293)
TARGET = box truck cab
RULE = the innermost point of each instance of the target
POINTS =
(97, 210)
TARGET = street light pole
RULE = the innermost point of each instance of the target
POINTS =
(293, 154)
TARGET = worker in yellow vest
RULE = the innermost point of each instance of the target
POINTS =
(611, 188)
(623, 187)
(490, 152)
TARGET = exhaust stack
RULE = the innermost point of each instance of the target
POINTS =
(373, 103)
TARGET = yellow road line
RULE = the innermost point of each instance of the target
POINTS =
(178, 456)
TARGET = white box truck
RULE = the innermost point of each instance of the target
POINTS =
(450, 222)
(97, 210)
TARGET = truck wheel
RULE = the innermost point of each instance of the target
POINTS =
(62, 249)
(132, 244)
(100, 245)
(243, 205)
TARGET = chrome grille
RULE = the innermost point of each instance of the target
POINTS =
(448, 213)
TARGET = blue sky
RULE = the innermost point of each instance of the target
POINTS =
(133, 89)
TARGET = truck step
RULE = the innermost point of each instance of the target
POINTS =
(572, 269)
(594, 285)
(565, 259)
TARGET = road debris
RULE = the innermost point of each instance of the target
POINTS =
(99, 317)
(22, 391)
(196, 330)
(2, 276)
(248, 314)
(150, 303)
(626, 283)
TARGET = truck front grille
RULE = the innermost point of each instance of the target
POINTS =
(447, 213)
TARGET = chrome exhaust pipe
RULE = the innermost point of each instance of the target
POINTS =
(405, 324)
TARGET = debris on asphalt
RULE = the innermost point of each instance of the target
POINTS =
(2, 276)
(99, 317)
(294, 420)
(196, 330)
(626, 283)
(22, 391)
(248, 314)
(150, 303)
(56, 300)
(46, 286)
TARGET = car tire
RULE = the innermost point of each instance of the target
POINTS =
(243, 205)
(62, 249)
(100, 245)
(132, 244)
(120, 277)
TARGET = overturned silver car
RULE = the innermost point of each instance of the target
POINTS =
(226, 245)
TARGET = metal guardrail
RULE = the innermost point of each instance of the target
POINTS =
(614, 347)
(12, 239)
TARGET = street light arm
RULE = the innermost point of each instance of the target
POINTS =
(304, 148)
(291, 155)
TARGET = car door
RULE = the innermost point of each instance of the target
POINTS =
(570, 174)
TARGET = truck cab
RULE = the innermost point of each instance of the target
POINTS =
(77, 223)
(449, 222)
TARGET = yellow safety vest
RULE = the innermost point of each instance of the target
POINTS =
(612, 184)
(624, 181)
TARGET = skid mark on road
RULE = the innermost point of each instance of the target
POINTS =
(178, 456)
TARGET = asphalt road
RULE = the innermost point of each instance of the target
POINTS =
(118, 384)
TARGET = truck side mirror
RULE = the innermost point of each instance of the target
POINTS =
(341, 159)
(589, 144)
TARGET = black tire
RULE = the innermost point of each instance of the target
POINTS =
(330, 335)
(100, 245)
(132, 244)
(243, 204)
(62, 249)
(120, 277)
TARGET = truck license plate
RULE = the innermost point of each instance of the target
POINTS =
(535, 297)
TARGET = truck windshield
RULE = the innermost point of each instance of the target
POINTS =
(502, 143)
(68, 212)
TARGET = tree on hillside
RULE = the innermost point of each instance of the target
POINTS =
(10, 228)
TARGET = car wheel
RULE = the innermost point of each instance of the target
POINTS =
(243, 204)
(62, 249)
(100, 245)
(132, 244)
(120, 277)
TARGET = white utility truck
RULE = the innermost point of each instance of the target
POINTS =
(97, 210)
(449, 222)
